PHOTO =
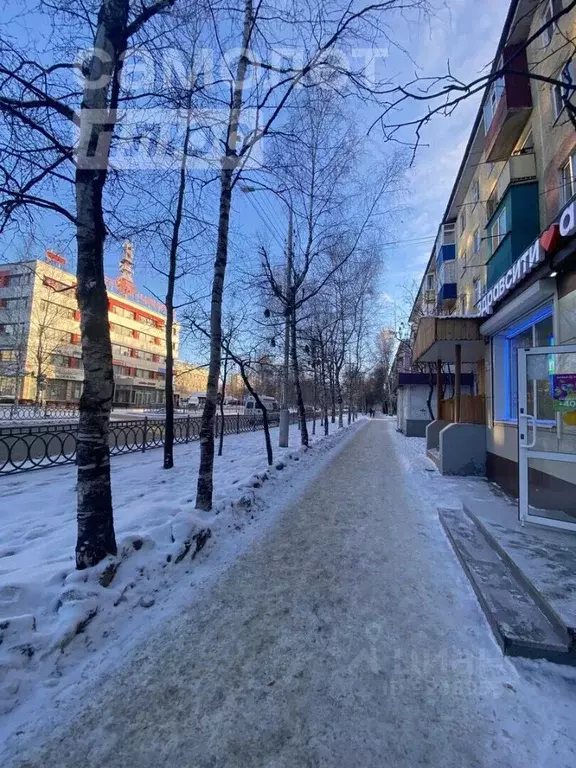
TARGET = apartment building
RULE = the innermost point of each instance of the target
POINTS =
(189, 378)
(40, 353)
(507, 308)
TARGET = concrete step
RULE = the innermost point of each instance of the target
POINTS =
(545, 568)
(434, 455)
(519, 625)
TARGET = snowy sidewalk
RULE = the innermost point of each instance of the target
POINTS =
(347, 637)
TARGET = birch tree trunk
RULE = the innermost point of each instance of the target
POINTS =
(229, 163)
(332, 393)
(339, 398)
(173, 260)
(205, 472)
(98, 115)
(96, 537)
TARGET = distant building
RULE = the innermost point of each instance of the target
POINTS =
(40, 353)
(189, 379)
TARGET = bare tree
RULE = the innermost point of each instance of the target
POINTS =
(41, 105)
(440, 95)
(263, 84)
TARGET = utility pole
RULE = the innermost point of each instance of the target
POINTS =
(284, 413)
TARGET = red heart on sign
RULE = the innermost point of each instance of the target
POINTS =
(550, 239)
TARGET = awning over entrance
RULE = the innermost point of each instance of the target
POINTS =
(438, 337)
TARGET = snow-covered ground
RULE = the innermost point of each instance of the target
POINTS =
(347, 635)
(55, 622)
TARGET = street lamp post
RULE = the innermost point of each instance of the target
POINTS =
(284, 412)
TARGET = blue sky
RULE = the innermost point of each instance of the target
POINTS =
(463, 33)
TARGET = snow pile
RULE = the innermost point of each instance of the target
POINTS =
(53, 617)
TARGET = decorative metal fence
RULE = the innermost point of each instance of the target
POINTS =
(35, 412)
(42, 413)
(25, 448)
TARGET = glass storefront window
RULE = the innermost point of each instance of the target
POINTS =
(515, 343)
(536, 330)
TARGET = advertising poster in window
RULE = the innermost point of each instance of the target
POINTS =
(564, 388)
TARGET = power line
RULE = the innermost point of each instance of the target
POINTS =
(269, 225)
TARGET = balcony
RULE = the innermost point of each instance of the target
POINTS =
(519, 168)
(521, 204)
(437, 337)
(447, 288)
(507, 106)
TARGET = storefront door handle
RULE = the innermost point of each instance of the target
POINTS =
(530, 420)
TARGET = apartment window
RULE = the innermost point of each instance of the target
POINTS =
(7, 355)
(492, 202)
(430, 281)
(56, 390)
(120, 351)
(497, 231)
(568, 179)
(56, 285)
(551, 9)
(60, 360)
(562, 93)
(57, 310)
(19, 302)
(496, 92)
(120, 330)
(462, 219)
(478, 289)
(147, 321)
(122, 312)
(476, 241)
(476, 192)
(19, 279)
(12, 329)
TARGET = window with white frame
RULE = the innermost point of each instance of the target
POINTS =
(430, 281)
(476, 192)
(568, 179)
(497, 231)
(478, 289)
(492, 202)
(535, 330)
(563, 91)
(494, 96)
(476, 241)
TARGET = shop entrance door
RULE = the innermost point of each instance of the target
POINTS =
(547, 436)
